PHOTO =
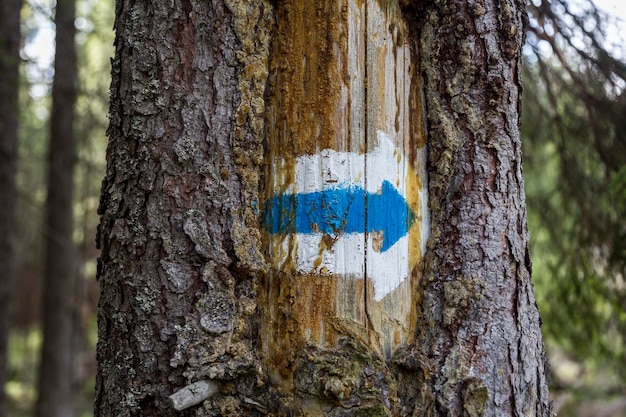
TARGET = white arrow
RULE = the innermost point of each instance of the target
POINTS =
(355, 254)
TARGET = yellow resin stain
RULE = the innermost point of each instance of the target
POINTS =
(312, 106)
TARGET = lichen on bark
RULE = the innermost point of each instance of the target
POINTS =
(345, 381)
(179, 229)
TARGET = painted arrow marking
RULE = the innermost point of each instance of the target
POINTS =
(342, 210)
(332, 212)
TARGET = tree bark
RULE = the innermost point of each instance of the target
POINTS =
(478, 349)
(9, 87)
(55, 374)
(186, 280)
(178, 233)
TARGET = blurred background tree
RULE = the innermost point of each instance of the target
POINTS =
(9, 89)
(574, 127)
(55, 381)
(94, 40)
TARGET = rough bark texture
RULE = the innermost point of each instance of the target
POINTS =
(179, 238)
(478, 350)
(56, 398)
(9, 82)
(181, 258)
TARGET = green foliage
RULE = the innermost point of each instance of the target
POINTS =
(575, 168)
(23, 361)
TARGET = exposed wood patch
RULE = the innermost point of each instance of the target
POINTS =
(345, 215)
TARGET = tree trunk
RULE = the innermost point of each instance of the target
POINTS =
(9, 84)
(179, 236)
(478, 349)
(55, 377)
(212, 300)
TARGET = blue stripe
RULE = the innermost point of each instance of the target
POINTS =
(341, 210)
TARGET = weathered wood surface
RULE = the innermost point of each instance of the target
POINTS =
(345, 129)
(394, 112)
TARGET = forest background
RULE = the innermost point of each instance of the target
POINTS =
(574, 136)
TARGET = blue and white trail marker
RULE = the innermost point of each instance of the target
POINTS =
(344, 215)
(342, 210)
(335, 219)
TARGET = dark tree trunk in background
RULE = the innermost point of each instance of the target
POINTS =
(9, 83)
(183, 270)
(55, 378)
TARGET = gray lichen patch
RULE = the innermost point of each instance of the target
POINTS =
(459, 295)
(247, 244)
(211, 344)
(475, 397)
(196, 227)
